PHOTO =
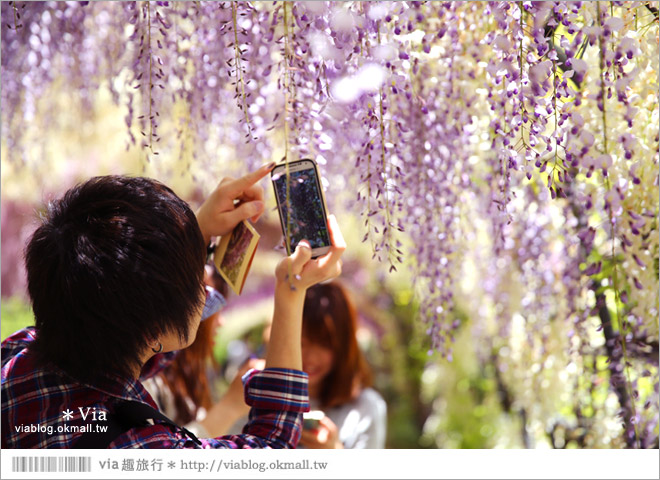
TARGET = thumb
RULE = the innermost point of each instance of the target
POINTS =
(294, 263)
(244, 211)
(300, 257)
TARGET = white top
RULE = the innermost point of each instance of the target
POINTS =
(362, 422)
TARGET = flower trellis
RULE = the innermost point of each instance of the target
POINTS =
(440, 116)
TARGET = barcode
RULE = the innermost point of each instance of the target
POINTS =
(51, 464)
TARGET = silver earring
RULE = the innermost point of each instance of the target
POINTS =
(160, 348)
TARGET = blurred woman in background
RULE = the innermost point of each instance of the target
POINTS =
(339, 376)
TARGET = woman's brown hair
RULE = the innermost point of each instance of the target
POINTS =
(330, 320)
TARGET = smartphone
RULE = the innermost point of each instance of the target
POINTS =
(312, 419)
(304, 209)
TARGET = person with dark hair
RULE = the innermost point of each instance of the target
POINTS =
(115, 275)
(183, 389)
(339, 376)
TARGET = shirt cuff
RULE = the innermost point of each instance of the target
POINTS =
(277, 389)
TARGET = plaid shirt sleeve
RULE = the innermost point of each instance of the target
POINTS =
(278, 398)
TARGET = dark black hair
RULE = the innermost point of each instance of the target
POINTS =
(116, 262)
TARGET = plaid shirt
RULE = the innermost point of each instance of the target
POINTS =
(35, 402)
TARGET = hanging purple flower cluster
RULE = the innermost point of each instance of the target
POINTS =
(438, 116)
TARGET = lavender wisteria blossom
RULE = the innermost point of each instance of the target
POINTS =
(504, 153)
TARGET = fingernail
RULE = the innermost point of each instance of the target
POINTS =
(304, 243)
(271, 165)
(257, 206)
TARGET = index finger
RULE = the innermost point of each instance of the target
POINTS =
(238, 186)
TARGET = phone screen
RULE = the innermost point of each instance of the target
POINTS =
(307, 219)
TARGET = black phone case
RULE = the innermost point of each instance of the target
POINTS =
(279, 207)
